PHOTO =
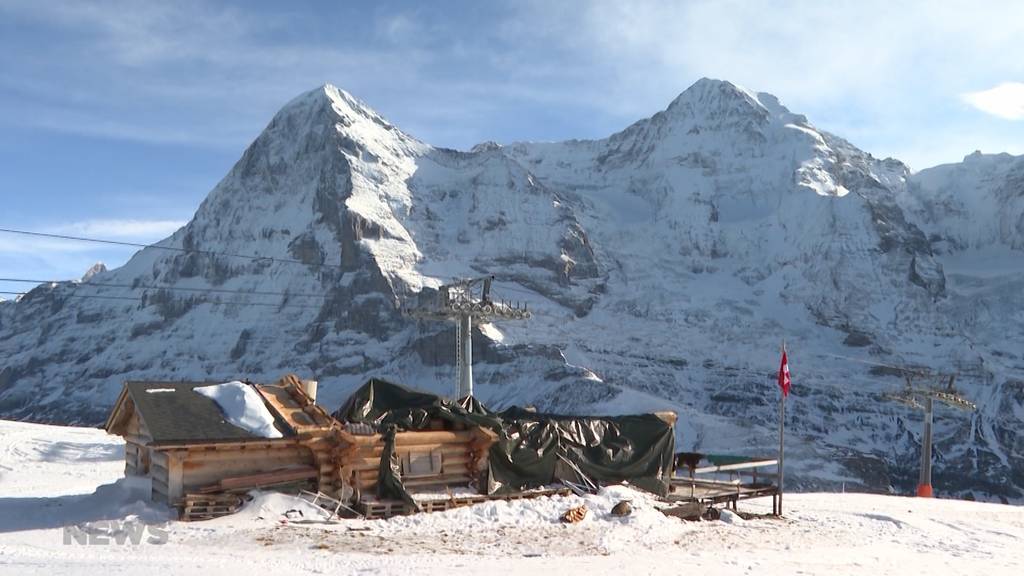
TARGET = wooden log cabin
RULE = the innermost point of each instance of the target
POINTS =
(182, 441)
(428, 460)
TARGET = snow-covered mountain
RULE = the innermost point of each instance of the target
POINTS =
(664, 265)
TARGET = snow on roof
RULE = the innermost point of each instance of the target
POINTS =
(243, 407)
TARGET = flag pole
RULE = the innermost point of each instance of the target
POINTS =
(782, 435)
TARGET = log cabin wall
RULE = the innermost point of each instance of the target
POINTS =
(159, 475)
(184, 470)
(137, 454)
(428, 459)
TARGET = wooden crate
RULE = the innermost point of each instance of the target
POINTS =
(207, 506)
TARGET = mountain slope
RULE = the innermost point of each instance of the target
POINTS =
(664, 265)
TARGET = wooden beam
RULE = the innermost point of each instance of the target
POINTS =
(290, 452)
(139, 440)
(262, 479)
(440, 480)
(737, 466)
(159, 457)
(227, 445)
(175, 480)
(111, 425)
(429, 437)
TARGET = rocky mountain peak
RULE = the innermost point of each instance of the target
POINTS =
(711, 96)
(97, 268)
(327, 112)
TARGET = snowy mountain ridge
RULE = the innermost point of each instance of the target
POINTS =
(664, 265)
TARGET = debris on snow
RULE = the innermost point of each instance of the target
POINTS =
(574, 515)
(623, 508)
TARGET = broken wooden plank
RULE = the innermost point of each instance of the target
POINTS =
(249, 481)
(737, 466)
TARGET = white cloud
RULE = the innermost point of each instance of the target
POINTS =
(127, 230)
(121, 229)
(43, 258)
(1005, 100)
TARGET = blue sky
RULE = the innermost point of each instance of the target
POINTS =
(116, 118)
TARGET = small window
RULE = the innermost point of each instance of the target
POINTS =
(423, 463)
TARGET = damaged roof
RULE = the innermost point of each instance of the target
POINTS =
(173, 412)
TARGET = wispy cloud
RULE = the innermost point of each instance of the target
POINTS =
(1005, 100)
(121, 229)
(209, 74)
(222, 70)
(129, 230)
(38, 258)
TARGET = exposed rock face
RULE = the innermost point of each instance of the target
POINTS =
(664, 265)
(97, 268)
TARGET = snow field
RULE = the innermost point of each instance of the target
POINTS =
(52, 477)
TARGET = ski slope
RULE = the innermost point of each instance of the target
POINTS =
(51, 477)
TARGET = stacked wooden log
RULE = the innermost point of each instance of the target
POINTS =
(462, 453)
(260, 480)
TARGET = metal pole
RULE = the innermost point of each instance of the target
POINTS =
(782, 443)
(924, 484)
(458, 360)
(466, 358)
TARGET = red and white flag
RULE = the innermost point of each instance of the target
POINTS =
(784, 381)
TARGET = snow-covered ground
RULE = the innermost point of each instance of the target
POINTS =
(52, 477)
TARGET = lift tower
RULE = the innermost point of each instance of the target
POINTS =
(922, 398)
(462, 301)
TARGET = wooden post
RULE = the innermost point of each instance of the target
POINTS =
(175, 479)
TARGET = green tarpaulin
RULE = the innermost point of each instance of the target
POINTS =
(532, 449)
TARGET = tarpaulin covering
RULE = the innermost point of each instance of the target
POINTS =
(532, 449)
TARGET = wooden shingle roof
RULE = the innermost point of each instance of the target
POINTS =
(174, 413)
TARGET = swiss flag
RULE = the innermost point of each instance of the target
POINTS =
(784, 381)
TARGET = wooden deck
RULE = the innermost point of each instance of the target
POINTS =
(713, 492)
(702, 487)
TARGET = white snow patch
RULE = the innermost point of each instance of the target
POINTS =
(730, 517)
(274, 506)
(243, 407)
(491, 331)
(159, 390)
